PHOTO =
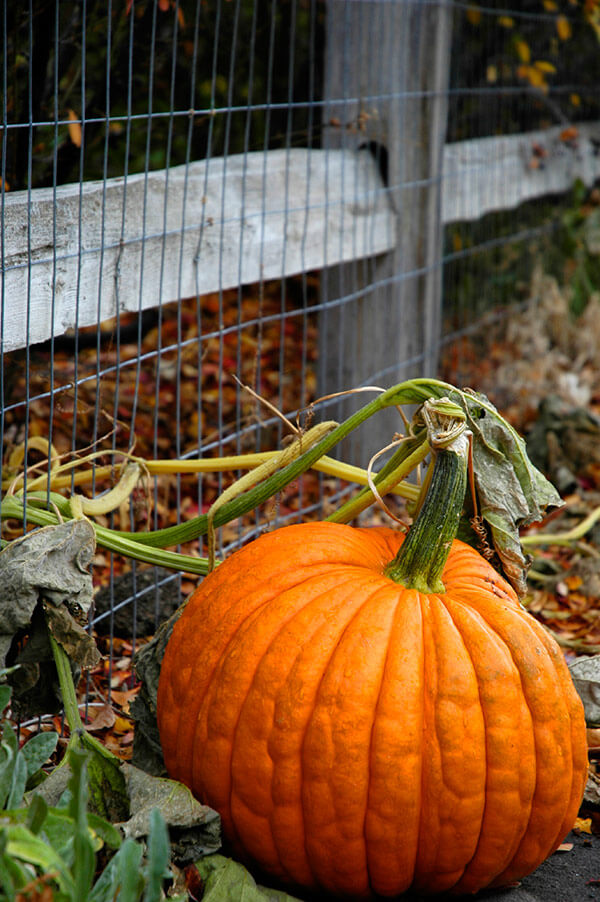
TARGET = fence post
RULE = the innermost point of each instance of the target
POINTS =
(385, 91)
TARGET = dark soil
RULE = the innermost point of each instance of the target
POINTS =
(564, 877)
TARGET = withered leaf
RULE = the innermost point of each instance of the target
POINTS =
(585, 673)
(511, 492)
(194, 829)
(51, 563)
(77, 643)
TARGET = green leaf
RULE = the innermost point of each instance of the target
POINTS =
(78, 787)
(123, 873)
(8, 753)
(226, 880)
(37, 750)
(84, 858)
(157, 867)
(107, 787)
(37, 813)
(5, 694)
(84, 864)
(24, 845)
(58, 828)
(9, 738)
(107, 832)
(19, 780)
(13, 875)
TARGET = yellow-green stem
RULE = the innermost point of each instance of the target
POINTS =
(411, 453)
(14, 507)
(79, 735)
(563, 538)
(132, 544)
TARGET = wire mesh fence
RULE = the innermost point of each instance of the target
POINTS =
(300, 197)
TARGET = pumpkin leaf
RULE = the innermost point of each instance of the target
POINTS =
(49, 565)
(106, 785)
(585, 673)
(195, 828)
(147, 751)
(226, 880)
(511, 492)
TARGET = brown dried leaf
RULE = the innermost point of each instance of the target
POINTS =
(102, 718)
(79, 645)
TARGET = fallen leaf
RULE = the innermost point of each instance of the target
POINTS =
(545, 66)
(122, 725)
(123, 698)
(565, 847)
(582, 825)
(74, 128)
(193, 882)
(102, 718)
(198, 826)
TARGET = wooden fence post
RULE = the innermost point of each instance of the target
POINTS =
(385, 91)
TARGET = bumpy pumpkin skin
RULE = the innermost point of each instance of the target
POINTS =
(364, 738)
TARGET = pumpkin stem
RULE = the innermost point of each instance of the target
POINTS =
(422, 557)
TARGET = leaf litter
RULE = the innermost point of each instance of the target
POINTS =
(538, 353)
(540, 365)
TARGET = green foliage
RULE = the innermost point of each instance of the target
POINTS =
(58, 846)
(19, 767)
(561, 235)
(579, 244)
(489, 263)
(228, 881)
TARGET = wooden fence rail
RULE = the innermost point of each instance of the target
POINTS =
(75, 255)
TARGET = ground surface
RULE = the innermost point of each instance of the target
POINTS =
(543, 354)
(572, 876)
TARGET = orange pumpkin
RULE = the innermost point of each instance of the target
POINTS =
(364, 737)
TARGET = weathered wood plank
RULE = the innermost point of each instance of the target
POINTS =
(386, 79)
(501, 172)
(173, 234)
(183, 232)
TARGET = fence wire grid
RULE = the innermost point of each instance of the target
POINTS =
(301, 196)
